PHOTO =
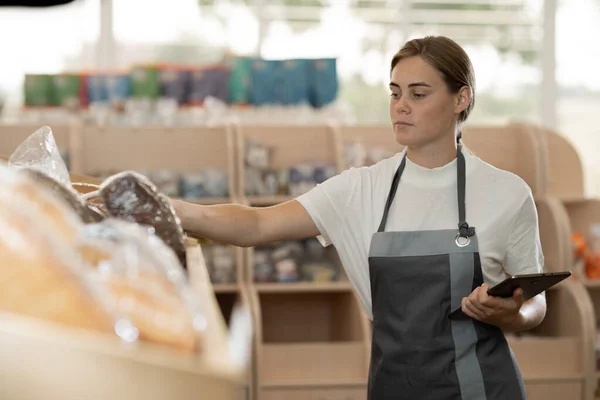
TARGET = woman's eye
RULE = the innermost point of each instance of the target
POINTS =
(395, 95)
(419, 95)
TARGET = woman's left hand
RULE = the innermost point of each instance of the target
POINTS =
(501, 312)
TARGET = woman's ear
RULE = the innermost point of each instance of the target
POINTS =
(463, 99)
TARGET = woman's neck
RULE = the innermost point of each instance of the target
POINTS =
(433, 155)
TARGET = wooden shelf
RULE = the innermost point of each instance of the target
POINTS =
(315, 384)
(342, 286)
(225, 287)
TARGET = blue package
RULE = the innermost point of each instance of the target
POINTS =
(96, 89)
(323, 81)
(263, 82)
(175, 84)
(292, 82)
(118, 87)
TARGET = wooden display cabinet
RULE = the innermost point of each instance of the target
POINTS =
(310, 345)
(42, 359)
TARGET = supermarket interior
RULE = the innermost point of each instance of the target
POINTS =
(194, 187)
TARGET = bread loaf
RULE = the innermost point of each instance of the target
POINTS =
(21, 191)
(39, 275)
(132, 197)
(144, 285)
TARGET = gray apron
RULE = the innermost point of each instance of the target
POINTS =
(417, 352)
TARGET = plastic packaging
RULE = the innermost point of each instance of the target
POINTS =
(132, 197)
(42, 277)
(146, 282)
(40, 151)
(19, 189)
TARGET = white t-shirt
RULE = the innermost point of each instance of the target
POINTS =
(347, 210)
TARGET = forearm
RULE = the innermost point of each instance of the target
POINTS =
(227, 223)
(530, 315)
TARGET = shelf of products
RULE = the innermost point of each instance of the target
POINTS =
(237, 80)
(310, 344)
(192, 163)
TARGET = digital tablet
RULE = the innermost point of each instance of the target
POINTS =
(531, 284)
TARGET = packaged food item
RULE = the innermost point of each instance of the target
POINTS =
(146, 282)
(355, 154)
(42, 278)
(66, 90)
(166, 181)
(239, 79)
(87, 212)
(292, 82)
(40, 151)
(323, 81)
(37, 90)
(132, 197)
(264, 269)
(145, 82)
(222, 266)
(175, 83)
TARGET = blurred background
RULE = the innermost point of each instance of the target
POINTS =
(534, 60)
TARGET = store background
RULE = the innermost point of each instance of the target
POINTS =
(512, 45)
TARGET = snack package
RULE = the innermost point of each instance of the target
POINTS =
(146, 282)
(40, 151)
(132, 197)
(20, 190)
(42, 277)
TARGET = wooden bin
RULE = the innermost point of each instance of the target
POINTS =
(291, 145)
(310, 345)
(41, 360)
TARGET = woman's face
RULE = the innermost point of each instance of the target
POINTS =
(422, 109)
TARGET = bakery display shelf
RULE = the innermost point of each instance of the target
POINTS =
(40, 357)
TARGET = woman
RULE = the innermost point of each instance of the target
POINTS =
(420, 233)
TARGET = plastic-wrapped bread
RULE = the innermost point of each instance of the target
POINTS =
(146, 281)
(20, 189)
(87, 213)
(132, 197)
(40, 276)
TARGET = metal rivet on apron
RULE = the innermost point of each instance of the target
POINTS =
(462, 241)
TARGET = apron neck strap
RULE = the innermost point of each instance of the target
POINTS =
(463, 226)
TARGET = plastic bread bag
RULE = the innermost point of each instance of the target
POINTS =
(87, 212)
(20, 190)
(40, 151)
(45, 278)
(132, 197)
(146, 281)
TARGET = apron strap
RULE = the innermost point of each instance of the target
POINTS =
(392, 194)
(463, 226)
